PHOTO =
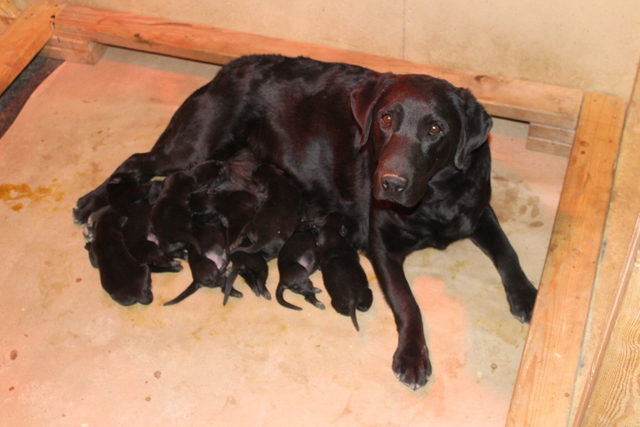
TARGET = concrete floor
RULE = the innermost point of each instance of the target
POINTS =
(69, 356)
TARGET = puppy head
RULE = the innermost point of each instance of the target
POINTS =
(417, 125)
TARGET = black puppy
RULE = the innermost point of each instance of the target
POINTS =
(296, 262)
(275, 220)
(405, 157)
(236, 207)
(133, 199)
(171, 216)
(342, 274)
(253, 268)
(209, 263)
(122, 276)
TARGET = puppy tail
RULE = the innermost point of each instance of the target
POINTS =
(352, 314)
(191, 289)
(280, 298)
(229, 277)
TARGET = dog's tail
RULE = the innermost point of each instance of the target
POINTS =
(352, 314)
(280, 297)
(191, 289)
(228, 278)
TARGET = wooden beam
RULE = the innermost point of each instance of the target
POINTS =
(82, 51)
(8, 9)
(544, 387)
(550, 139)
(24, 38)
(625, 205)
(612, 397)
(509, 98)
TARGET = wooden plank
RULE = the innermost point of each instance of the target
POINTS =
(625, 205)
(613, 398)
(8, 9)
(549, 147)
(551, 133)
(82, 51)
(8, 13)
(509, 98)
(544, 386)
(24, 38)
(5, 23)
(550, 139)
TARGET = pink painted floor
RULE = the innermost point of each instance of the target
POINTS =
(69, 356)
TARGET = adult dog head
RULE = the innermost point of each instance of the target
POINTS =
(417, 125)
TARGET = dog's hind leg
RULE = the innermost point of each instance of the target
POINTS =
(490, 238)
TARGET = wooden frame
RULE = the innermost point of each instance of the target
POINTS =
(550, 385)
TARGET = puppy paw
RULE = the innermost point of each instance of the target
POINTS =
(127, 297)
(258, 287)
(89, 204)
(412, 366)
(521, 303)
(364, 299)
(311, 299)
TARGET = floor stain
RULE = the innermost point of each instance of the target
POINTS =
(13, 195)
(513, 199)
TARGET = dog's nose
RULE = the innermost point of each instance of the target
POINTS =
(392, 182)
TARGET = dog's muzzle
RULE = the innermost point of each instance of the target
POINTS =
(394, 188)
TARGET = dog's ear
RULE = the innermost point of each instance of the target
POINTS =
(475, 130)
(363, 100)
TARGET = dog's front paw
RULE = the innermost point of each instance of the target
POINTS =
(412, 366)
(521, 303)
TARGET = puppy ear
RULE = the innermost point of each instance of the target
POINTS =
(476, 126)
(363, 100)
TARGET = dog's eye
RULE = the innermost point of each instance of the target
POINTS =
(435, 129)
(387, 120)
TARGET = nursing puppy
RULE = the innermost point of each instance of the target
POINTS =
(237, 208)
(296, 262)
(171, 216)
(209, 262)
(124, 278)
(253, 268)
(133, 199)
(277, 217)
(342, 274)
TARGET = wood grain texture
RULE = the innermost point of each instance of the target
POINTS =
(548, 146)
(8, 9)
(24, 38)
(509, 98)
(544, 386)
(81, 51)
(625, 206)
(614, 398)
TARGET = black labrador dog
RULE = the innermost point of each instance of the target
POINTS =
(404, 157)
